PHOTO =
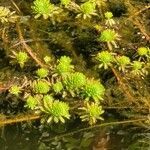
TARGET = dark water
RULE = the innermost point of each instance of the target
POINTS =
(24, 136)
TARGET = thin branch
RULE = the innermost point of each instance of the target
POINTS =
(141, 28)
(28, 41)
(139, 12)
(19, 118)
(28, 48)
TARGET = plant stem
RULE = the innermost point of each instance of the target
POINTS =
(27, 47)
(20, 118)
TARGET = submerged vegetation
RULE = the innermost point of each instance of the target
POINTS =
(71, 61)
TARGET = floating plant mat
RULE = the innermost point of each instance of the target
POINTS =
(74, 72)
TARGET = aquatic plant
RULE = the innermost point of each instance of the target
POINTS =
(15, 90)
(93, 90)
(31, 102)
(57, 87)
(6, 15)
(142, 51)
(20, 57)
(87, 9)
(109, 18)
(138, 69)
(109, 36)
(122, 62)
(56, 110)
(64, 66)
(44, 8)
(47, 97)
(47, 59)
(91, 112)
(65, 2)
(74, 81)
(108, 15)
(105, 59)
(78, 39)
(42, 72)
(41, 86)
(137, 65)
(65, 59)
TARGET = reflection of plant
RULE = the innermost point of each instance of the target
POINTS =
(87, 9)
(83, 141)
(140, 142)
(15, 90)
(91, 113)
(105, 59)
(122, 62)
(57, 110)
(44, 8)
(21, 58)
(42, 73)
(93, 90)
(41, 86)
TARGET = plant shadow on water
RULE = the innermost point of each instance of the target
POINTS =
(15, 137)
(103, 79)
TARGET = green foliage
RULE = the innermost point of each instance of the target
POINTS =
(55, 109)
(87, 10)
(93, 90)
(64, 66)
(108, 35)
(65, 60)
(21, 58)
(39, 96)
(122, 62)
(65, 2)
(42, 72)
(63, 80)
(105, 59)
(142, 51)
(31, 102)
(15, 90)
(137, 65)
(47, 59)
(88, 7)
(57, 87)
(109, 18)
(44, 8)
(74, 80)
(41, 86)
(91, 113)
(108, 15)
(138, 69)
